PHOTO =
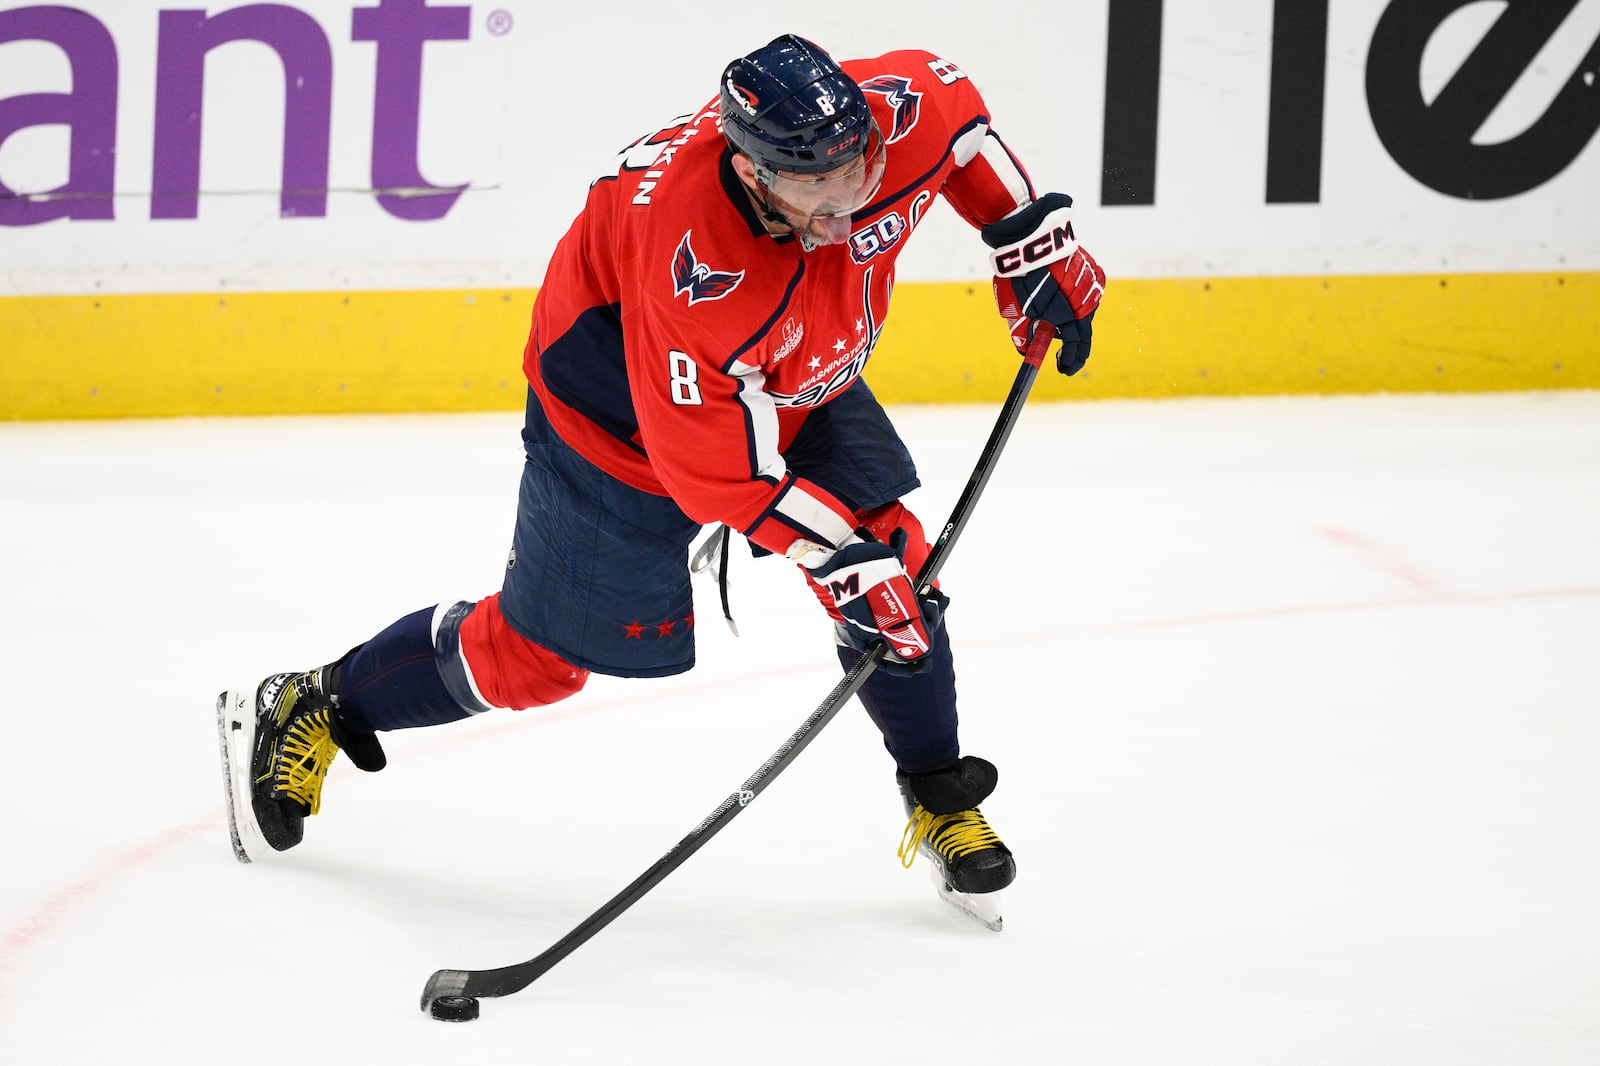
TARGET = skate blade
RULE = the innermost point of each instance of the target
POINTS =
(236, 736)
(982, 908)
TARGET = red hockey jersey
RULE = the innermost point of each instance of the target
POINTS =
(678, 345)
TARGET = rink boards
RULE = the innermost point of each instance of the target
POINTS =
(116, 356)
(322, 206)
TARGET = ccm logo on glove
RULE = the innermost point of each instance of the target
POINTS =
(848, 589)
(1058, 243)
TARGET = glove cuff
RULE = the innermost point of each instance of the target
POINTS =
(1024, 220)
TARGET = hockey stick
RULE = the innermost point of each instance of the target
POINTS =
(508, 979)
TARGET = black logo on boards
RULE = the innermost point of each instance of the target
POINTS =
(1431, 140)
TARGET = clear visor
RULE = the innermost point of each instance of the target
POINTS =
(835, 193)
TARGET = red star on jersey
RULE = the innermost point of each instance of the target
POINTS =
(635, 631)
(665, 628)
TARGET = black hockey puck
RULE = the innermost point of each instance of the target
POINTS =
(454, 1009)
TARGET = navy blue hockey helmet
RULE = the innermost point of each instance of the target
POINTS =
(788, 106)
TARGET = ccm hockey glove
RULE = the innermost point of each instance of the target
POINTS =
(1041, 274)
(873, 600)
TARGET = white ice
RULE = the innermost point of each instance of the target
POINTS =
(1295, 704)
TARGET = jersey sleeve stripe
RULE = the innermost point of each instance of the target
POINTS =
(761, 426)
(1006, 168)
(968, 143)
(800, 511)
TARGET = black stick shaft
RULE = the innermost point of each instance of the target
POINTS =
(998, 436)
(508, 979)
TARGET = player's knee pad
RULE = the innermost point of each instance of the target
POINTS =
(506, 669)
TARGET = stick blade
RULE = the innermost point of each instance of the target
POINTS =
(444, 983)
(485, 984)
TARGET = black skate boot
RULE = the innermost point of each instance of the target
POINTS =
(277, 757)
(946, 826)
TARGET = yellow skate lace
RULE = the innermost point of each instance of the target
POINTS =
(951, 835)
(303, 760)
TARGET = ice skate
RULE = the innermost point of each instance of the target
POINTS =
(969, 863)
(276, 750)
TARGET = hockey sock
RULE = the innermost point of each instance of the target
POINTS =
(917, 713)
(394, 680)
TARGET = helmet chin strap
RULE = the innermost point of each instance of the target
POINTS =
(758, 197)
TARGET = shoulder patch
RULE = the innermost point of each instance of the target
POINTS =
(691, 276)
(906, 101)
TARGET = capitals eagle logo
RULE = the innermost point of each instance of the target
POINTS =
(691, 276)
(905, 100)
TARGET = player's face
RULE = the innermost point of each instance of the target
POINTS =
(819, 206)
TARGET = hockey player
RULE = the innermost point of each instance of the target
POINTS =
(695, 357)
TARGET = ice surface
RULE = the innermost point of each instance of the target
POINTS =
(1295, 704)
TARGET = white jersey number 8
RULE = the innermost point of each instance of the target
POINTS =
(685, 380)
